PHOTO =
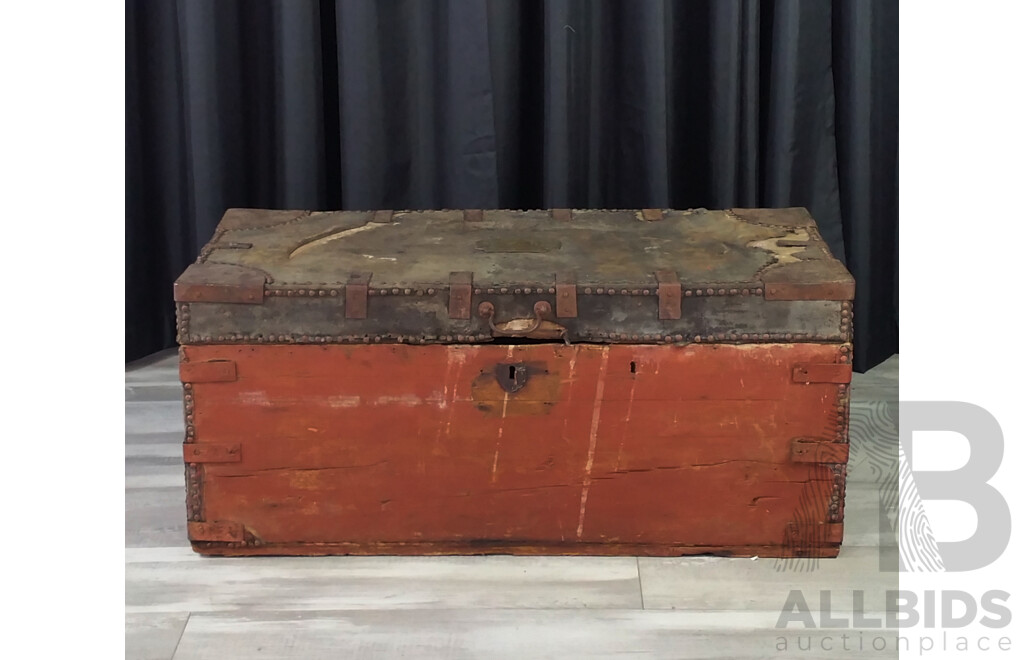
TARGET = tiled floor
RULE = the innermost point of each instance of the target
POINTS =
(183, 606)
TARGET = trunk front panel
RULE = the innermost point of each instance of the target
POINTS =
(515, 448)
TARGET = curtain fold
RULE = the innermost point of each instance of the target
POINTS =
(364, 104)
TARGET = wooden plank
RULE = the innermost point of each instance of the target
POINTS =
(153, 636)
(181, 581)
(504, 634)
(154, 417)
(719, 583)
(676, 434)
(155, 517)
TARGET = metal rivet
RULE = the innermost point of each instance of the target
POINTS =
(394, 291)
(697, 338)
(504, 289)
(409, 291)
(699, 292)
(679, 338)
(744, 336)
(635, 337)
(383, 292)
(758, 291)
(301, 292)
(721, 292)
(587, 290)
(551, 289)
(430, 291)
(600, 290)
(647, 292)
(710, 292)
(688, 293)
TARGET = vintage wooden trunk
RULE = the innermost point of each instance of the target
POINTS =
(650, 382)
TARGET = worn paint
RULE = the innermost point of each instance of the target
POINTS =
(418, 466)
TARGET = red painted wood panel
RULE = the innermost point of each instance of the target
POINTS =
(656, 446)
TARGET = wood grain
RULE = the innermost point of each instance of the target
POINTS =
(646, 449)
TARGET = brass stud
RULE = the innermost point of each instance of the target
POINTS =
(430, 292)
(528, 290)
(600, 290)
(551, 289)
(383, 292)
(635, 337)
(394, 291)
(635, 292)
(710, 292)
(744, 336)
(732, 292)
(697, 338)
(647, 292)
(699, 292)
(611, 292)
(758, 291)
(679, 338)
(688, 293)
(302, 292)
(587, 290)
(409, 291)
(504, 289)
(721, 292)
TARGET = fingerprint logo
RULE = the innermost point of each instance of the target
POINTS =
(877, 457)
(919, 552)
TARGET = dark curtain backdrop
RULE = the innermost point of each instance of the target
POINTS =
(361, 104)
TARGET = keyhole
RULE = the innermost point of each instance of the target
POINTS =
(511, 377)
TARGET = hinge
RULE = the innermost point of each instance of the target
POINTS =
(218, 532)
(808, 450)
(460, 294)
(565, 295)
(822, 373)
(213, 371)
(212, 453)
(670, 295)
(356, 292)
(220, 283)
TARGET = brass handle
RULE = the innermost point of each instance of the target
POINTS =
(541, 309)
